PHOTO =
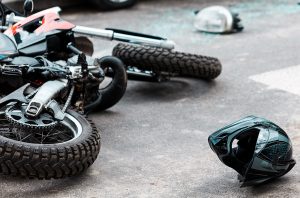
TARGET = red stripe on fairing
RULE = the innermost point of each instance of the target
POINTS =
(50, 21)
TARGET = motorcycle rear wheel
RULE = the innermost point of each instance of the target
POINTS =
(53, 157)
(162, 60)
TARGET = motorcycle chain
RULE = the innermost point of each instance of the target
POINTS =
(27, 124)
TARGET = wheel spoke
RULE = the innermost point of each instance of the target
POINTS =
(33, 139)
(60, 133)
(24, 138)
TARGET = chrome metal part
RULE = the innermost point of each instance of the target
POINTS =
(76, 71)
(56, 110)
(111, 35)
(108, 34)
(46, 92)
(167, 44)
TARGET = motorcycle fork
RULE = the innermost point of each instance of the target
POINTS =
(85, 80)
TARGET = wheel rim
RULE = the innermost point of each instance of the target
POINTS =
(66, 131)
(107, 80)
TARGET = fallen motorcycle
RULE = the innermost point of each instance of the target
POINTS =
(54, 77)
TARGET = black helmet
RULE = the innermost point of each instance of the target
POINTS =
(263, 151)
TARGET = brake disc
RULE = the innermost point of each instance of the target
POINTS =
(16, 115)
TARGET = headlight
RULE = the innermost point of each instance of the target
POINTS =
(217, 19)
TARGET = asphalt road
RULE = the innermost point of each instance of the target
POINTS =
(155, 140)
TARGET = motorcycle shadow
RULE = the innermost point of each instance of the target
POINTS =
(42, 188)
(274, 187)
(228, 188)
(176, 89)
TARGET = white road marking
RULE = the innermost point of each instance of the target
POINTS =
(287, 79)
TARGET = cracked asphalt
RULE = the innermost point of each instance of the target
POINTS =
(154, 142)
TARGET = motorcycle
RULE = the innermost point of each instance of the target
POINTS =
(54, 76)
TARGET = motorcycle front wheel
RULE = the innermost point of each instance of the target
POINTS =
(112, 90)
(66, 150)
(160, 60)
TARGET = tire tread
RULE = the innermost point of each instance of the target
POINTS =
(163, 60)
(46, 163)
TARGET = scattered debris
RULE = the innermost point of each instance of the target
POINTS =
(217, 19)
